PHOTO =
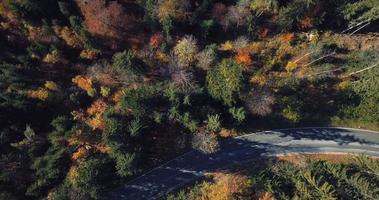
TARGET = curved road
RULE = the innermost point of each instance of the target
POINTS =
(193, 165)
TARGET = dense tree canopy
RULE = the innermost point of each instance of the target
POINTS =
(96, 92)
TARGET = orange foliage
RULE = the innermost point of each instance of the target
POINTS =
(287, 37)
(243, 57)
(81, 152)
(306, 23)
(225, 187)
(102, 148)
(161, 56)
(97, 107)
(40, 93)
(263, 32)
(83, 82)
(156, 40)
(77, 138)
(116, 96)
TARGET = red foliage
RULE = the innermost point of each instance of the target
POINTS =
(156, 40)
(219, 11)
(306, 23)
(263, 32)
(108, 20)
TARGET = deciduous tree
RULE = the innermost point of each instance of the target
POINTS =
(224, 82)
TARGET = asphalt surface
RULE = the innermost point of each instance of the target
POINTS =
(193, 165)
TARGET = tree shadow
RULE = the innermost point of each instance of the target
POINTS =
(193, 165)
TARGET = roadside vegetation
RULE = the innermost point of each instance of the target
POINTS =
(289, 178)
(95, 92)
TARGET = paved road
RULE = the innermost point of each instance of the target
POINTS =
(193, 165)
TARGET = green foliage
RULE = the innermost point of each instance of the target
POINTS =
(62, 129)
(125, 164)
(155, 114)
(188, 122)
(167, 26)
(361, 11)
(127, 64)
(238, 114)
(264, 5)
(295, 11)
(29, 133)
(93, 176)
(365, 89)
(135, 127)
(50, 170)
(35, 10)
(317, 180)
(213, 123)
(224, 82)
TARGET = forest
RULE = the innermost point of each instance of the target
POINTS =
(95, 92)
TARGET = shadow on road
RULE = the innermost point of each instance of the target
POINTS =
(193, 165)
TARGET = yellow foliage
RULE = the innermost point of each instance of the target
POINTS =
(40, 93)
(76, 138)
(2, 9)
(257, 47)
(78, 115)
(52, 57)
(227, 46)
(291, 66)
(4, 25)
(83, 83)
(5, 12)
(68, 36)
(88, 54)
(225, 133)
(51, 85)
(105, 91)
(72, 173)
(343, 85)
(96, 122)
(259, 80)
(186, 50)
(170, 9)
(160, 56)
(33, 32)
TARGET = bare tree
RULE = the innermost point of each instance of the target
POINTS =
(260, 102)
(205, 142)
(206, 58)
